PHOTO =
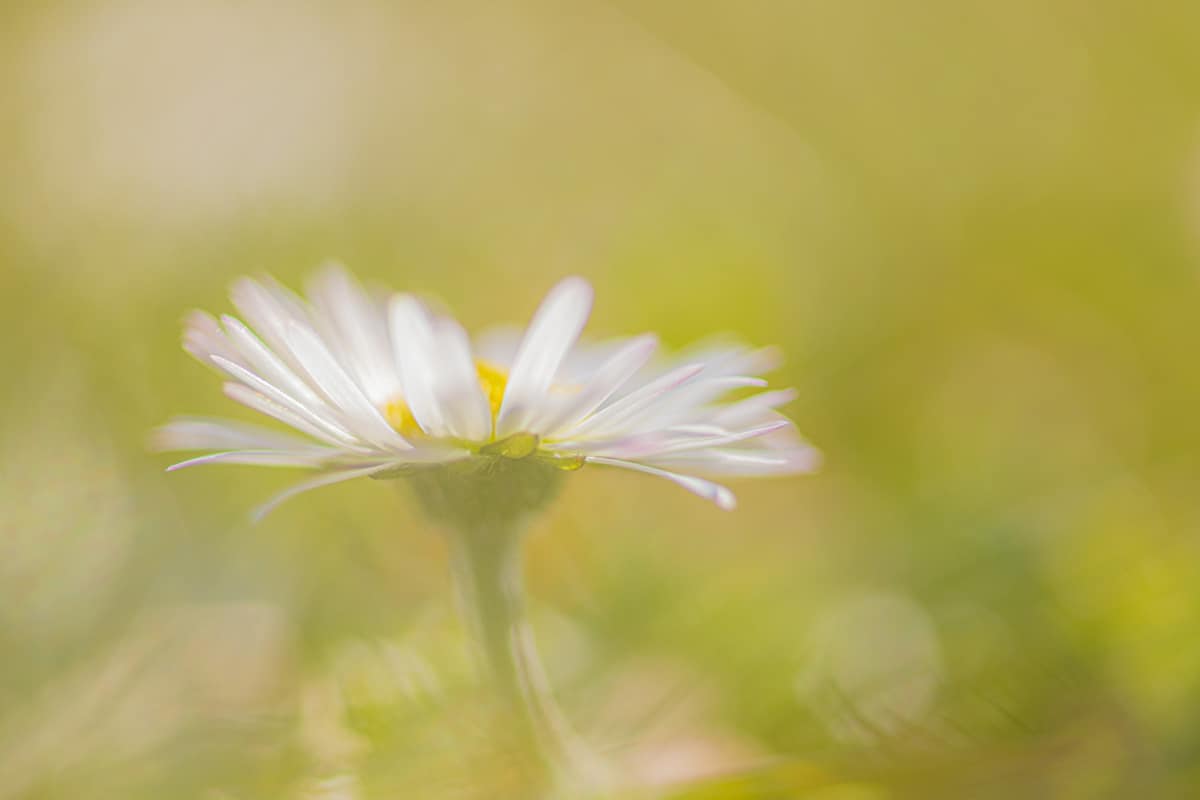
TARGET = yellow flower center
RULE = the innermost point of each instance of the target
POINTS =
(492, 380)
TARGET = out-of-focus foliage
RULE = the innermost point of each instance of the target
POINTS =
(972, 226)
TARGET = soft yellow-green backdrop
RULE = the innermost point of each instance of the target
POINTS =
(973, 227)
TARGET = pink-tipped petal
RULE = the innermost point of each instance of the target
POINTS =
(718, 494)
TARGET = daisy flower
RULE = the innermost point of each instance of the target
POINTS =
(380, 386)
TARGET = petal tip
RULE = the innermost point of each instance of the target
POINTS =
(575, 283)
(810, 459)
(725, 499)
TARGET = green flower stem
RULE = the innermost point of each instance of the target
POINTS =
(484, 506)
(487, 575)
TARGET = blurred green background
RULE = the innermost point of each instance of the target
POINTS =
(973, 227)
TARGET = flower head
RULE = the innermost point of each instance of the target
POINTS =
(381, 387)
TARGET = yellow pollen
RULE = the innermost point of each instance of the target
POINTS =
(400, 417)
(492, 380)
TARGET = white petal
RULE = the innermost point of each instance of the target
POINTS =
(240, 393)
(671, 440)
(554, 330)
(268, 309)
(606, 380)
(190, 433)
(693, 402)
(621, 410)
(727, 382)
(262, 458)
(266, 363)
(316, 483)
(413, 342)
(719, 440)
(715, 492)
(698, 429)
(358, 325)
(637, 444)
(752, 409)
(438, 375)
(744, 462)
(465, 409)
(783, 439)
(756, 362)
(320, 365)
(314, 416)
(585, 358)
(708, 388)
(731, 358)
(203, 339)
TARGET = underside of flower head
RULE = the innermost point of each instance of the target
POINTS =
(379, 386)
